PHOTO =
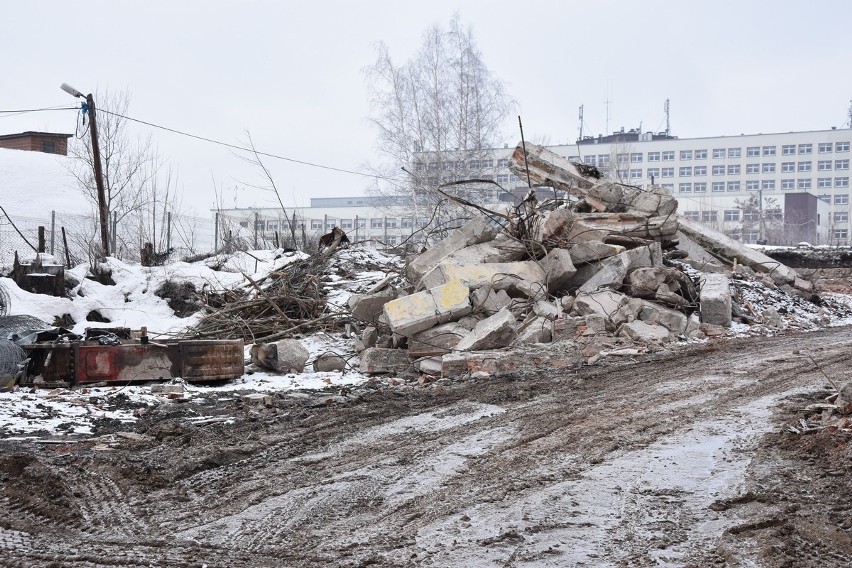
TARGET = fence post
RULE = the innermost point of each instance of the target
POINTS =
(114, 227)
(256, 219)
(169, 231)
(216, 232)
(52, 230)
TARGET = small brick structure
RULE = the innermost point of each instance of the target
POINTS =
(47, 142)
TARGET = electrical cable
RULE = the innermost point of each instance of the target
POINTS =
(247, 149)
(16, 112)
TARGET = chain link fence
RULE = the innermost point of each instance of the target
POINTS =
(73, 239)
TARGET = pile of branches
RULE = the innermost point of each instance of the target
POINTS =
(286, 301)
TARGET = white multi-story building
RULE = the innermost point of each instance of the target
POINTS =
(803, 178)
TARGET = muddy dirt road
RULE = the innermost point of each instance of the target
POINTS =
(671, 461)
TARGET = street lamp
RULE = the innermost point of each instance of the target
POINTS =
(103, 212)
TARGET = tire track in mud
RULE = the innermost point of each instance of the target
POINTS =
(506, 468)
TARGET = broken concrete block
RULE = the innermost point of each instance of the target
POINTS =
(803, 285)
(567, 328)
(284, 356)
(430, 365)
(557, 224)
(525, 277)
(590, 251)
(733, 250)
(368, 307)
(597, 324)
(369, 336)
(672, 320)
(546, 309)
(715, 300)
(643, 282)
(652, 201)
(376, 360)
(547, 168)
(491, 333)
(558, 269)
(502, 248)
(604, 302)
(420, 311)
(328, 362)
(534, 330)
(436, 341)
(476, 231)
(566, 303)
(640, 331)
(488, 301)
(600, 226)
(612, 271)
(772, 319)
(469, 322)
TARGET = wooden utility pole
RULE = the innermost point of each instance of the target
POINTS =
(103, 211)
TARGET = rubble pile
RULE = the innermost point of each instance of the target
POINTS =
(600, 269)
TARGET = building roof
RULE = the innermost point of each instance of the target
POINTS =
(33, 133)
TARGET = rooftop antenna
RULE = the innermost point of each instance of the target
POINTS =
(849, 121)
(668, 124)
(581, 121)
(608, 102)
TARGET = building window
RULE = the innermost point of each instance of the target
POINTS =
(824, 182)
(841, 164)
(486, 164)
(841, 182)
(346, 224)
(825, 147)
(244, 224)
(686, 154)
(316, 224)
(390, 222)
(330, 223)
(433, 165)
(805, 166)
(718, 152)
(769, 150)
(360, 223)
(700, 170)
(732, 214)
(685, 188)
(376, 223)
(685, 171)
(768, 184)
(48, 146)
(735, 152)
(692, 215)
(718, 186)
(753, 151)
(788, 149)
(653, 156)
(700, 187)
(503, 163)
(749, 216)
(768, 168)
(787, 167)
(407, 222)
(734, 170)
(653, 172)
(473, 164)
(824, 165)
(419, 166)
(733, 186)
(841, 147)
(709, 216)
(603, 159)
(752, 185)
(589, 160)
(841, 216)
(826, 198)
(840, 233)
(718, 170)
(668, 172)
(701, 154)
(669, 186)
(668, 155)
(806, 148)
(636, 174)
(804, 183)
(503, 178)
(272, 225)
(752, 168)
(788, 184)
(622, 174)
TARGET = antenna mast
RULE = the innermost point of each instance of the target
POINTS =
(668, 124)
(581, 122)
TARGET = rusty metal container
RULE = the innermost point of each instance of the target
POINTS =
(211, 360)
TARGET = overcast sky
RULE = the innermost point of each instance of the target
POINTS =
(291, 73)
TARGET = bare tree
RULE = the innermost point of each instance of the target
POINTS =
(436, 115)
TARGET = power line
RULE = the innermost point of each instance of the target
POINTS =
(15, 112)
(253, 151)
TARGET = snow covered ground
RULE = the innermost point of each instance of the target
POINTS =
(132, 303)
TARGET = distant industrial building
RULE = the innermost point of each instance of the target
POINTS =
(47, 142)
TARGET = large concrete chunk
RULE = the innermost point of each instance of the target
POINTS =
(549, 168)
(726, 247)
(557, 224)
(535, 330)
(612, 271)
(640, 331)
(502, 248)
(715, 299)
(380, 360)
(604, 302)
(558, 269)
(590, 251)
(673, 320)
(488, 301)
(475, 232)
(284, 356)
(524, 277)
(368, 307)
(491, 333)
(420, 311)
(436, 341)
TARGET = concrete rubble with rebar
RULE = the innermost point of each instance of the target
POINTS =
(599, 268)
